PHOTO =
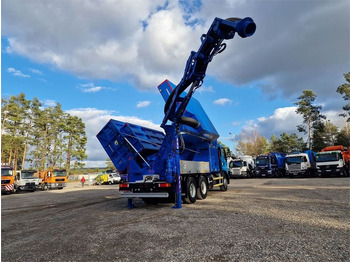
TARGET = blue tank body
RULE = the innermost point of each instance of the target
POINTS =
(271, 165)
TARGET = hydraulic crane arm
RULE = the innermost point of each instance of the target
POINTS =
(197, 63)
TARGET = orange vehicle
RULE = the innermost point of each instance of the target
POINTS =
(53, 178)
(7, 179)
(333, 160)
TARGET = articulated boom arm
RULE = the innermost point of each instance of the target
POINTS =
(198, 61)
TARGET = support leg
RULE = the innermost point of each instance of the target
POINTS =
(130, 204)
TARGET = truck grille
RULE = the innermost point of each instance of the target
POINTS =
(30, 184)
(5, 181)
(328, 167)
(59, 179)
(293, 167)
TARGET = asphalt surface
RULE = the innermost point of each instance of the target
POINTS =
(255, 220)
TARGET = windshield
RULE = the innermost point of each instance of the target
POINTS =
(237, 163)
(6, 172)
(262, 160)
(27, 174)
(294, 160)
(59, 173)
(325, 157)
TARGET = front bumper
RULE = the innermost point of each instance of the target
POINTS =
(57, 185)
(7, 188)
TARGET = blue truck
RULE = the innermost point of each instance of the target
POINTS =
(185, 161)
(271, 165)
(301, 163)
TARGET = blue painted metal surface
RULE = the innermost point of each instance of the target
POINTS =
(272, 164)
(193, 110)
(124, 142)
(151, 159)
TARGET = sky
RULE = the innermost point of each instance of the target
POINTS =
(105, 59)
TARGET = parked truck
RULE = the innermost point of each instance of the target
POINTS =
(53, 178)
(7, 179)
(187, 160)
(301, 163)
(243, 166)
(26, 180)
(108, 178)
(271, 165)
(333, 160)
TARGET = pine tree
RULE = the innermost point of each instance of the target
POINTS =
(311, 113)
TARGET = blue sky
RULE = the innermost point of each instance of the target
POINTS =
(102, 60)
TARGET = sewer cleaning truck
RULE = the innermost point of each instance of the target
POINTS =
(301, 163)
(333, 160)
(271, 165)
(186, 160)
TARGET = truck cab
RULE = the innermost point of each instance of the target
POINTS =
(301, 163)
(271, 165)
(26, 180)
(7, 179)
(331, 163)
(53, 178)
(243, 166)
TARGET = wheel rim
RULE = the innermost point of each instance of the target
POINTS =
(225, 182)
(203, 187)
(193, 190)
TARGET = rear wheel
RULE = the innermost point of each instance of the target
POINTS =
(225, 183)
(202, 190)
(191, 191)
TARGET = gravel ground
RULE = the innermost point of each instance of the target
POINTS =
(255, 220)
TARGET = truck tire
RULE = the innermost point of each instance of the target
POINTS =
(225, 183)
(191, 191)
(202, 190)
(45, 187)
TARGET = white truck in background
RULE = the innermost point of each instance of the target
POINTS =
(26, 180)
(243, 166)
(301, 163)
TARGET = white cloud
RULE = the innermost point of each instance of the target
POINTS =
(95, 120)
(285, 119)
(223, 101)
(142, 104)
(36, 71)
(91, 88)
(204, 89)
(49, 102)
(109, 40)
(147, 46)
(15, 72)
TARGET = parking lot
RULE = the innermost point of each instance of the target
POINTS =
(255, 220)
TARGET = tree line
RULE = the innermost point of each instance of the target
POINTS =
(41, 137)
(319, 130)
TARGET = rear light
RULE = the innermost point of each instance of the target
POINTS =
(164, 185)
(123, 185)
